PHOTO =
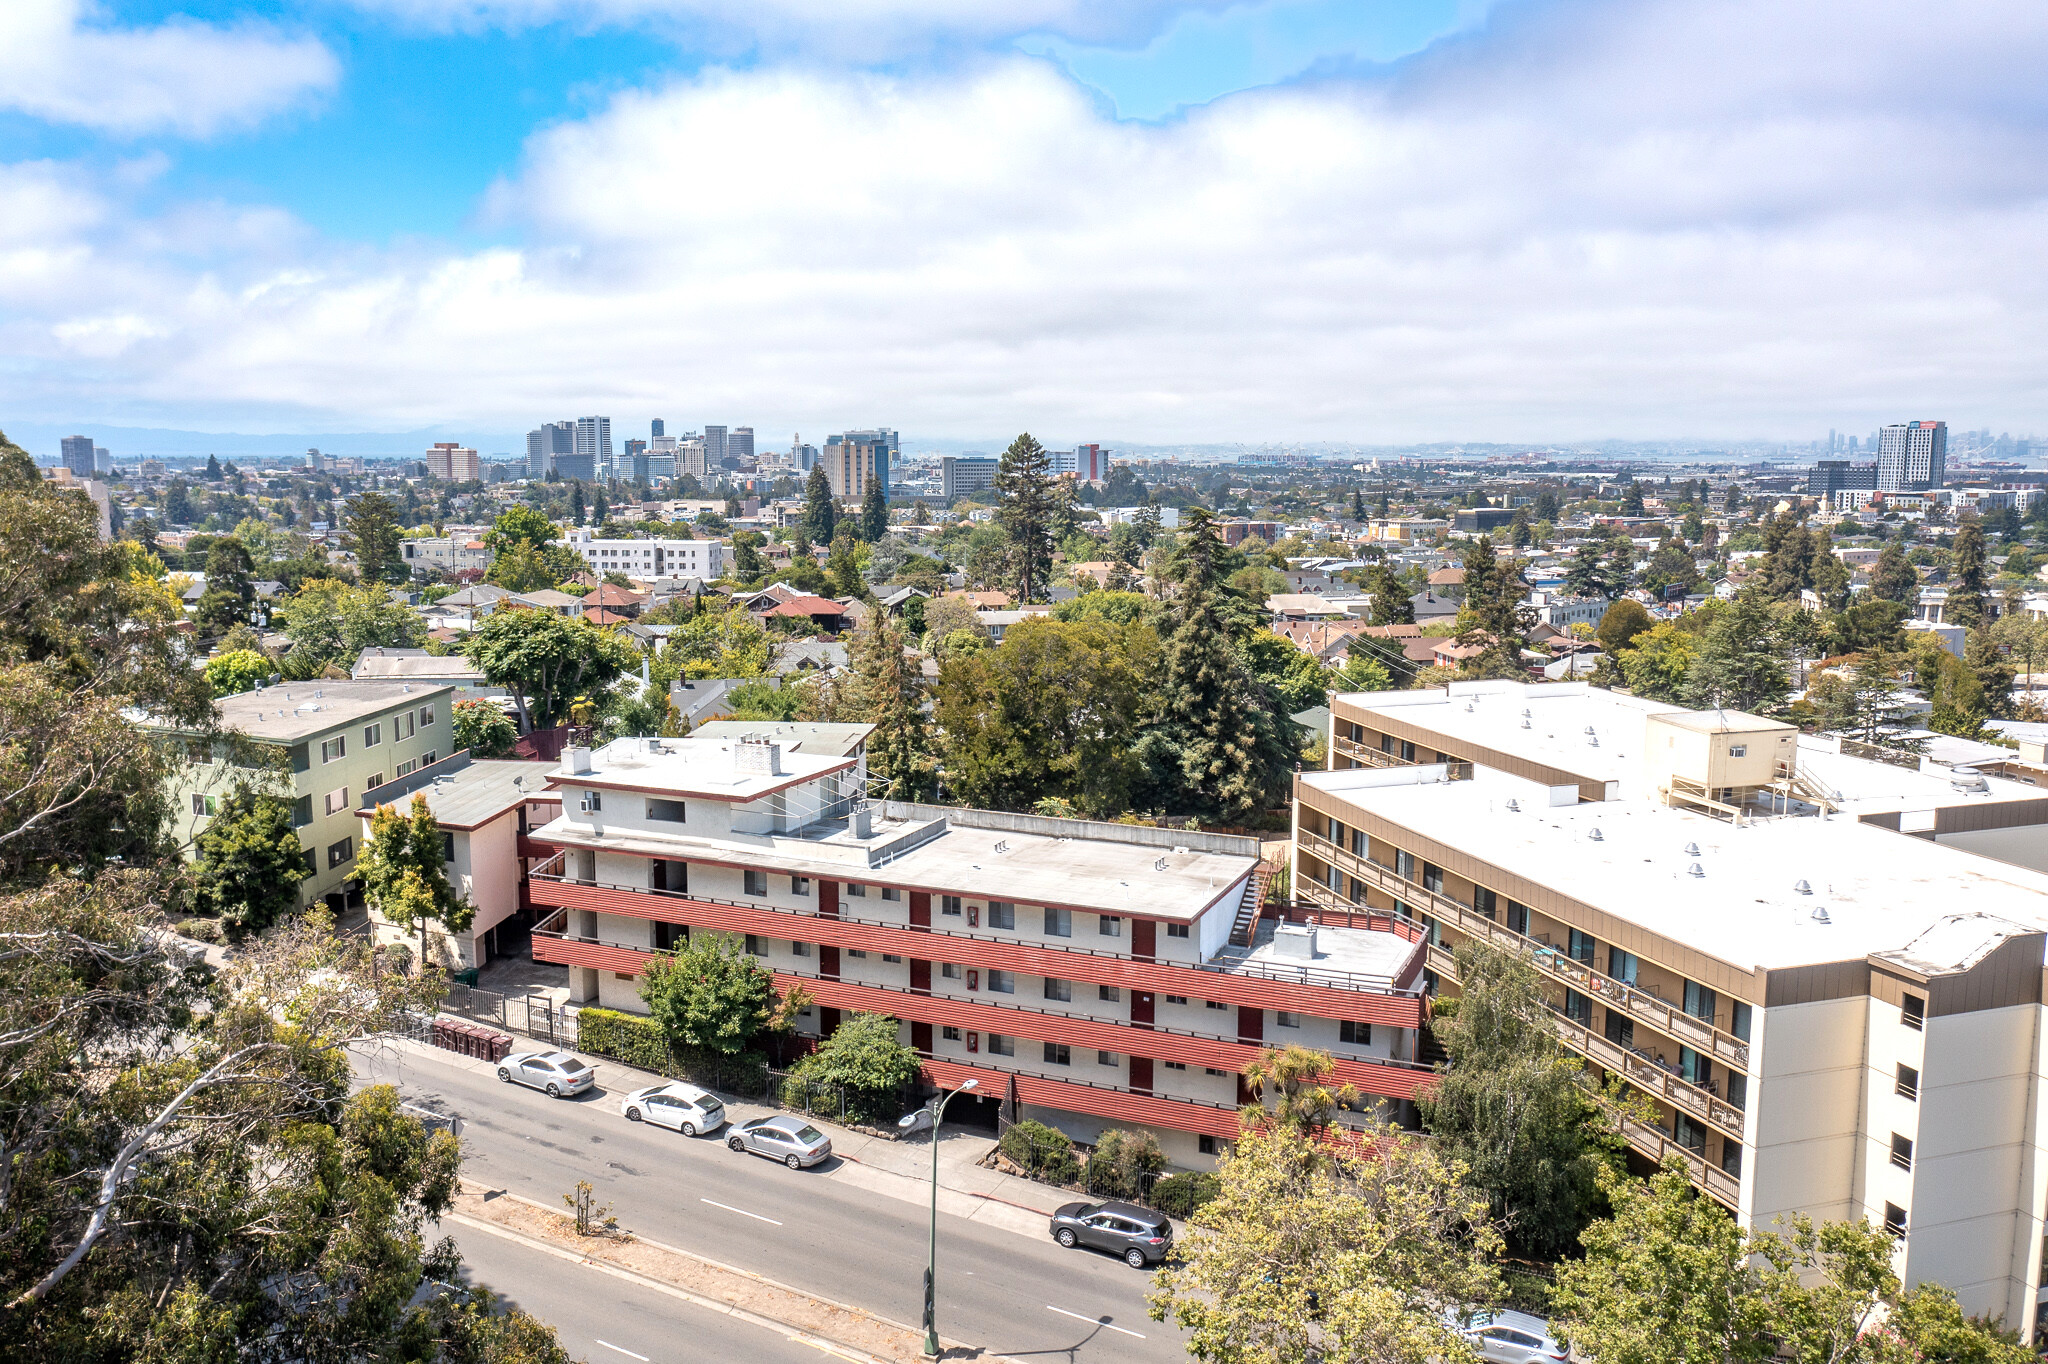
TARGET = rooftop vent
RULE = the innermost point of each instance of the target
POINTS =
(1593, 741)
(1820, 916)
(1002, 845)
(1695, 870)
(1160, 865)
(1589, 729)
(1692, 850)
(405, 686)
(1595, 835)
(1802, 887)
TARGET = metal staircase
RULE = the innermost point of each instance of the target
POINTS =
(1248, 906)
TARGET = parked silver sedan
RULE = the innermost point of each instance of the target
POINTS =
(557, 1072)
(685, 1107)
(792, 1141)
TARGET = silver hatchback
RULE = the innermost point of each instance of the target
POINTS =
(792, 1141)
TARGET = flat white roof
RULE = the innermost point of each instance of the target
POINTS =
(1490, 715)
(1872, 890)
(709, 768)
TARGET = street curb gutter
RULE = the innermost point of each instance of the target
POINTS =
(698, 1299)
(854, 1352)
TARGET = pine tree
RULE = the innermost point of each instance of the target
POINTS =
(374, 537)
(1024, 483)
(821, 513)
(576, 510)
(230, 587)
(1495, 615)
(1632, 500)
(889, 692)
(1218, 728)
(1620, 568)
(1740, 666)
(874, 513)
(1965, 605)
(601, 511)
(1584, 576)
(1893, 578)
(1357, 504)
(213, 472)
(1392, 603)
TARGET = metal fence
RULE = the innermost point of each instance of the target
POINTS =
(534, 1016)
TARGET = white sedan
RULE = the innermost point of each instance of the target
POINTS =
(686, 1108)
(557, 1072)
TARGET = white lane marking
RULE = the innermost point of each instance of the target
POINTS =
(621, 1349)
(1092, 1321)
(741, 1211)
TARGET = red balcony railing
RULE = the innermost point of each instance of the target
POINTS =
(1357, 997)
(1386, 1078)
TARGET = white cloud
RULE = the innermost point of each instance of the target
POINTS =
(1600, 218)
(180, 76)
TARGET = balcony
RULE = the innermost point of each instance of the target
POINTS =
(1261, 984)
(1367, 756)
(1660, 1014)
(1381, 1077)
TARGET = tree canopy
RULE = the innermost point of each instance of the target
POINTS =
(545, 661)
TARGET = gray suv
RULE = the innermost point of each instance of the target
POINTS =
(1138, 1235)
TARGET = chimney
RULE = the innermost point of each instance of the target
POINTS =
(579, 760)
(863, 821)
(759, 757)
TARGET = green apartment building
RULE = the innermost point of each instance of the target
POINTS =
(341, 739)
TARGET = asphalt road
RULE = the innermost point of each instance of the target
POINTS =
(1008, 1293)
(604, 1319)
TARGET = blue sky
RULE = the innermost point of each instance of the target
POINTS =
(1151, 220)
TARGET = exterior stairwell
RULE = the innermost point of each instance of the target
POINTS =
(1248, 907)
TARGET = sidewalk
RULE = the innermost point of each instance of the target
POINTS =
(893, 1169)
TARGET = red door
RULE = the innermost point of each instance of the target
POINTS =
(1141, 1008)
(828, 961)
(921, 1038)
(1141, 1075)
(1144, 938)
(1251, 1024)
(920, 909)
(920, 976)
(828, 899)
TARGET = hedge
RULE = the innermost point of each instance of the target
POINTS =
(639, 1042)
(1045, 1151)
(1180, 1195)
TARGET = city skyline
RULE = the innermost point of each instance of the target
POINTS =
(1433, 221)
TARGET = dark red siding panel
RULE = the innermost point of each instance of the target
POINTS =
(1144, 939)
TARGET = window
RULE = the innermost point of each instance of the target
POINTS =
(1518, 918)
(891, 956)
(1404, 865)
(1913, 1012)
(756, 882)
(1695, 1067)
(372, 735)
(405, 769)
(1211, 1070)
(1336, 832)
(1059, 923)
(753, 945)
(337, 800)
(1354, 1034)
(665, 811)
(860, 952)
(1689, 1134)
(1174, 1065)
(1109, 926)
(1060, 991)
(330, 749)
(1902, 1151)
(950, 970)
(402, 726)
(427, 758)
(205, 805)
(1738, 1019)
(1621, 965)
(799, 949)
(302, 812)
(373, 781)
(1738, 750)
(1284, 1019)
(1620, 1029)
(1700, 1001)
(1206, 1144)
(1110, 994)
(1582, 947)
(1895, 1219)
(1056, 1054)
(892, 892)
(949, 1033)
(426, 715)
(1176, 999)
(1002, 914)
(1002, 983)
(998, 1045)
(857, 890)
(1432, 877)
(1485, 901)
(949, 904)
(1908, 1086)
(1214, 1004)
(1176, 930)
(667, 935)
(447, 847)
(338, 853)
(1731, 1157)
(1738, 1089)
(799, 885)
(593, 800)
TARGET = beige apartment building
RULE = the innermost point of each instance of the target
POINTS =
(1825, 972)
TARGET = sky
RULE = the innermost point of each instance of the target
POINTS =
(1281, 220)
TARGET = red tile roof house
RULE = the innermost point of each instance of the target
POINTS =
(828, 615)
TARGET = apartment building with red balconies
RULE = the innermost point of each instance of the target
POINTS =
(1094, 974)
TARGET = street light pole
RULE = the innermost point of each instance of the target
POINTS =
(933, 1114)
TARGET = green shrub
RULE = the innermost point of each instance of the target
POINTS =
(624, 1037)
(865, 1061)
(1180, 1195)
(1123, 1163)
(199, 930)
(1046, 1152)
